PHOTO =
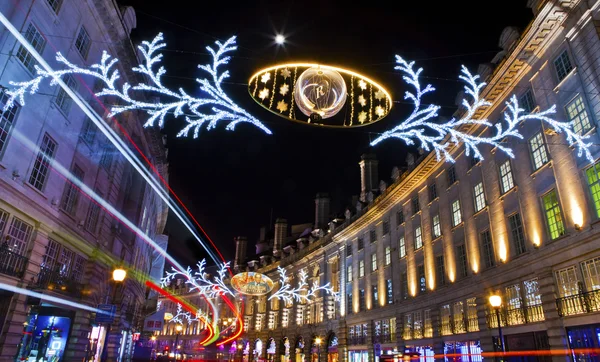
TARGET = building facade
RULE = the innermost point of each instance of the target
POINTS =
(55, 240)
(416, 261)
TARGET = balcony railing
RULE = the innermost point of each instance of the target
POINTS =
(587, 302)
(357, 340)
(516, 316)
(58, 282)
(12, 263)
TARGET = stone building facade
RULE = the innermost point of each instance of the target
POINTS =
(417, 260)
(55, 240)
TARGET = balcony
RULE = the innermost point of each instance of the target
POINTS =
(516, 316)
(12, 263)
(58, 282)
(587, 302)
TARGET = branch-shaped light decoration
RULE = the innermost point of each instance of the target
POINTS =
(439, 137)
(213, 107)
(200, 281)
(301, 293)
(182, 315)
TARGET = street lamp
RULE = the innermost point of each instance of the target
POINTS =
(496, 303)
(178, 328)
(318, 343)
(119, 275)
(239, 347)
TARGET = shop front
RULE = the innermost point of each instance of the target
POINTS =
(45, 334)
(246, 352)
(332, 348)
(258, 349)
(299, 349)
(358, 355)
(271, 350)
(315, 349)
(462, 351)
(285, 350)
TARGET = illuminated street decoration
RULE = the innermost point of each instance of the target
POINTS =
(320, 93)
(201, 281)
(302, 292)
(439, 137)
(252, 283)
(207, 111)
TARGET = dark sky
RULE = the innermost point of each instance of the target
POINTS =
(236, 182)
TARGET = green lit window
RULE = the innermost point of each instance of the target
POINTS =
(579, 116)
(592, 179)
(553, 214)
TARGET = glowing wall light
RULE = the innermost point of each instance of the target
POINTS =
(576, 214)
(502, 250)
(537, 241)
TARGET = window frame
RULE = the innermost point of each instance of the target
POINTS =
(563, 55)
(508, 174)
(560, 214)
(55, 8)
(10, 121)
(542, 148)
(525, 97)
(456, 221)
(578, 99)
(23, 55)
(85, 42)
(436, 226)
(479, 199)
(418, 237)
(402, 247)
(41, 158)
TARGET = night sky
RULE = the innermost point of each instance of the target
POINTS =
(236, 182)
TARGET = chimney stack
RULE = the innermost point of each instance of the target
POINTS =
(369, 178)
(322, 202)
(280, 234)
(240, 252)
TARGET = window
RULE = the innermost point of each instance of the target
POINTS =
(506, 177)
(421, 273)
(373, 262)
(349, 303)
(361, 300)
(417, 326)
(418, 238)
(415, 204)
(18, 235)
(41, 167)
(388, 255)
(553, 214)
(7, 119)
(63, 261)
(107, 156)
(3, 220)
(533, 301)
(458, 314)
(592, 180)
(432, 192)
(451, 175)
(349, 273)
(461, 252)
(361, 268)
(399, 217)
(516, 230)
(539, 155)
(591, 274)
(527, 101)
(488, 249)
(35, 38)
(427, 325)
(567, 282)
(375, 296)
(472, 161)
(440, 270)
(373, 236)
(349, 250)
(401, 247)
(63, 101)
(404, 281)
(408, 324)
(386, 227)
(88, 131)
(479, 197)
(445, 320)
(390, 291)
(91, 221)
(563, 66)
(514, 303)
(579, 116)
(437, 228)
(472, 320)
(55, 5)
(83, 42)
(456, 215)
(71, 193)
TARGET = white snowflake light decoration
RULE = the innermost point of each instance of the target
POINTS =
(208, 110)
(182, 315)
(440, 136)
(301, 293)
(200, 281)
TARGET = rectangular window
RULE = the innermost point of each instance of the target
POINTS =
(563, 66)
(388, 255)
(418, 238)
(578, 116)
(479, 197)
(401, 247)
(361, 268)
(35, 38)
(472, 161)
(415, 204)
(55, 5)
(7, 119)
(445, 320)
(539, 155)
(349, 250)
(506, 178)
(422, 281)
(361, 300)
(591, 175)
(3, 220)
(50, 258)
(373, 236)
(404, 281)
(373, 262)
(488, 249)
(472, 320)
(432, 192)
(71, 193)
(427, 325)
(440, 270)
(417, 326)
(527, 102)
(63, 100)
(553, 214)
(41, 167)
(567, 282)
(518, 235)
(437, 227)
(400, 217)
(408, 324)
(349, 273)
(386, 227)
(533, 301)
(456, 215)
(591, 274)
(452, 175)
(88, 131)
(91, 221)
(459, 317)
(375, 296)
(349, 303)
(83, 42)
(18, 236)
(514, 312)
(360, 243)
(461, 252)
(107, 156)
(390, 291)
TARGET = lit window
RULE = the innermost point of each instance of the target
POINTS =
(527, 102)
(518, 235)
(421, 274)
(553, 215)
(506, 177)
(479, 197)
(594, 184)
(538, 151)
(35, 38)
(488, 249)
(375, 296)
(390, 291)
(578, 116)
(591, 274)
(41, 167)
(567, 282)
(456, 215)
(83, 42)
(533, 301)
(437, 228)
(17, 236)
(563, 66)
(373, 262)
(7, 119)
(349, 273)
(418, 238)
(71, 193)
(361, 268)
(402, 247)
(63, 101)
(388, 255)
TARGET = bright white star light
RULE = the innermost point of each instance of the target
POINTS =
(279, 39)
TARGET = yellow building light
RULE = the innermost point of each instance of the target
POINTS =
(576, 214)
(502, 250)
(537, 241)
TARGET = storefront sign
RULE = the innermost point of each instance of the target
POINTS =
(251, 283)
(155, 321)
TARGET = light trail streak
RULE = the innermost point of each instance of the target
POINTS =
(238, 319)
